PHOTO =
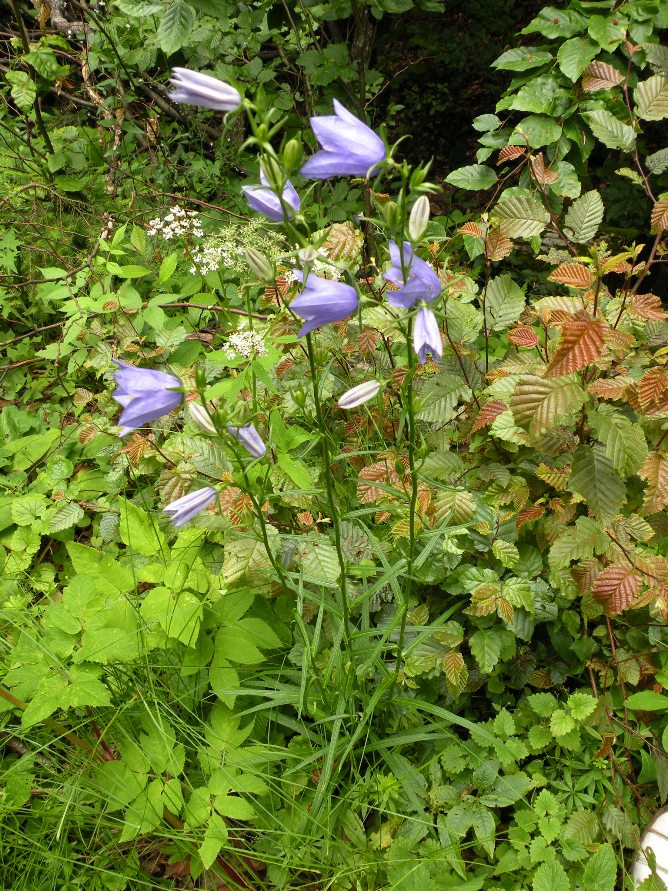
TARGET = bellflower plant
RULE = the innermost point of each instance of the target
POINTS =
(421, 282)
(145, 395)
(349, 147)
(264, 200)
(426, 336)
(187, 507)
(359, 395)
(193, 88)
(249, 438)
(323, 301)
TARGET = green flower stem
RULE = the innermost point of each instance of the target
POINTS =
(333, 508)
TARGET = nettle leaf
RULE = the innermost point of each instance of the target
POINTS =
(474, 177)
(582, 341)
(522, 58)
(595, 478)
(584, 217)
(575, 54)
(24, 91)
(504, 302)
(651, 98)
(551, 876)
(600, 873)
(538, 402)
(520, 217)
(609, 130)
(561, 723)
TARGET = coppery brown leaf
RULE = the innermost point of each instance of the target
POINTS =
(473, 229)
(488, 413)
(510, 153)
(655, 471)
(609, 388)
(529, 514)
(582, 341)
(542, 174)
(600, 76)
(647, 306)
(523, 336)
(659, 216)
(617, 587)
(497, 246)
(575, 275)
(652, 387)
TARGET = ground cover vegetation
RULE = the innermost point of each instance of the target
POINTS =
(365, 585)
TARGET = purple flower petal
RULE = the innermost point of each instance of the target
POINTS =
(145, 395)
(249, 438)
(264, 200)
(416, 281)
(323, 301)
(426, 336)
(185, 508)
(349, 147)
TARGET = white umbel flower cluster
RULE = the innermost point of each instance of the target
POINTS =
(209, 256)
(177, 223)
(245, 343)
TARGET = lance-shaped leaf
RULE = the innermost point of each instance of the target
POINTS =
(617, 587)
(575, 275)
(655, 471)
(582, 341)
(594, 477)
(600, 76)
(659, 217)
(504, 302)
(651, 97)
(521, 217)
(584, 217)
(610, 130)
(538, 402)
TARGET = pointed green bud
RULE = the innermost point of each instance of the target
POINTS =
(273, 173)
(308, 254)
(260, 265)
(419, 218)
(392, 214)
(292, 154)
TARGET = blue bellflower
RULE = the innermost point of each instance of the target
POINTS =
(426, 336)
(145, 395)
(349, 147)
(187, 507)
(421, 282)
(323, 301)
(264, 200)
(193, 88)
(249, 438)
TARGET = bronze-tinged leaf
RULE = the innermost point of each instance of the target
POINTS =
(585, 574)
(647, 306)
(655, 471)
(384, 472)
(541, 678)
(488, 413)
(528, 515)
(281, 287)
(575, 275)
(510, 153)
(542, 175)
(617, 587)
(554, 310)
(523, 336)
(367, 340)
(497, 246)
(610, 388)
(600, 76)
(136, 448)
(557, 477)
(284, 366)
(87, 433)
(582, 341)
(473, 229)
(485, 599)
(343, 241)
(659, 216)
(455, 669)
(652, 387)
(616, 339)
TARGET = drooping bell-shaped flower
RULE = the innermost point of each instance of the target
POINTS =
(264, 200)
(193, 88)
(416, 280)
(249, 438)
(323, 301)
(187, 507)
(426, 336)
(349, 147)
(359, 395)
(144, 394)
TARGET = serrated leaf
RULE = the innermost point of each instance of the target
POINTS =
(538, 402)
(594, 477)
(506, 553)
(624, 441)
(574, 55)
(535, 131)
(600, 76)
(523, 58)
(488, 413)
(582, 341)
(657, 162)
(651, 98)
(582, 826)
(601, 870)
(521, 217)
(175, 26)
(440, 397)
(657, 55)
(659, 218)
(497, 246)
(655, 471)
(523, 336)
(319, 562)
(504, 302)
(578, 542)
(551, 876)
(455, 669)
(474, 177)
(609, 130)
(485, 646)
(23, 90)
(584, 217)
(561, 723)
(65, 517)
(575, 275)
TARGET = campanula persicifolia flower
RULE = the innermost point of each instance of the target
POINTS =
(323, 301)
(145, 395)
(185, 508)
(426, 336)
(249, 438)
(416, 281)
(349, 147)
(359, 395)
(193, 88)
(265, 201)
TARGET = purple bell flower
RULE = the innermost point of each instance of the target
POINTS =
(187, 507)
(265, 201)
(421, 282)
(349, 147)
(323, 301)
(145, 395)
(249, 438)
(193, 88)
(426, 336)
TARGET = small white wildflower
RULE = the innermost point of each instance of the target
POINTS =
(246, 344)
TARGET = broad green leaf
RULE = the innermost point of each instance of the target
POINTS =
(535, 131)
(24, 91)
(118, 784)
(657, 55)
(214, 839)
(624, 442)
(168, 267)
(110, 635)
(651, 98)
(601, 870)
(551, 876)
(234, 807)
(246, 561)
(543, 704)
(647, 701)
(319, 563)
(578, 542)
(139, 530)
(581, 705)
(608, 31)
(538, 402)
(584, 217)
(475, 176)
(485, 646)
(658, 162)
(542, 95)
(139, 8)
(486, 122)
(551, 22)
(175, 26)
(440, 397)
(574, 55)
(297, 471)
(520, 217)
(504, 302)
(561, 723)
(179, 615)
(610, 130)
(109, 575)
(523, 58)
(596, 479)
(145, 812)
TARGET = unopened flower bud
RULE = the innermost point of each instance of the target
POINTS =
(292, 154)
(419, 218)
(260, 265)
(200, 418)
(308, 254)
(392, 214)
(272, 172)
(359, 394)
